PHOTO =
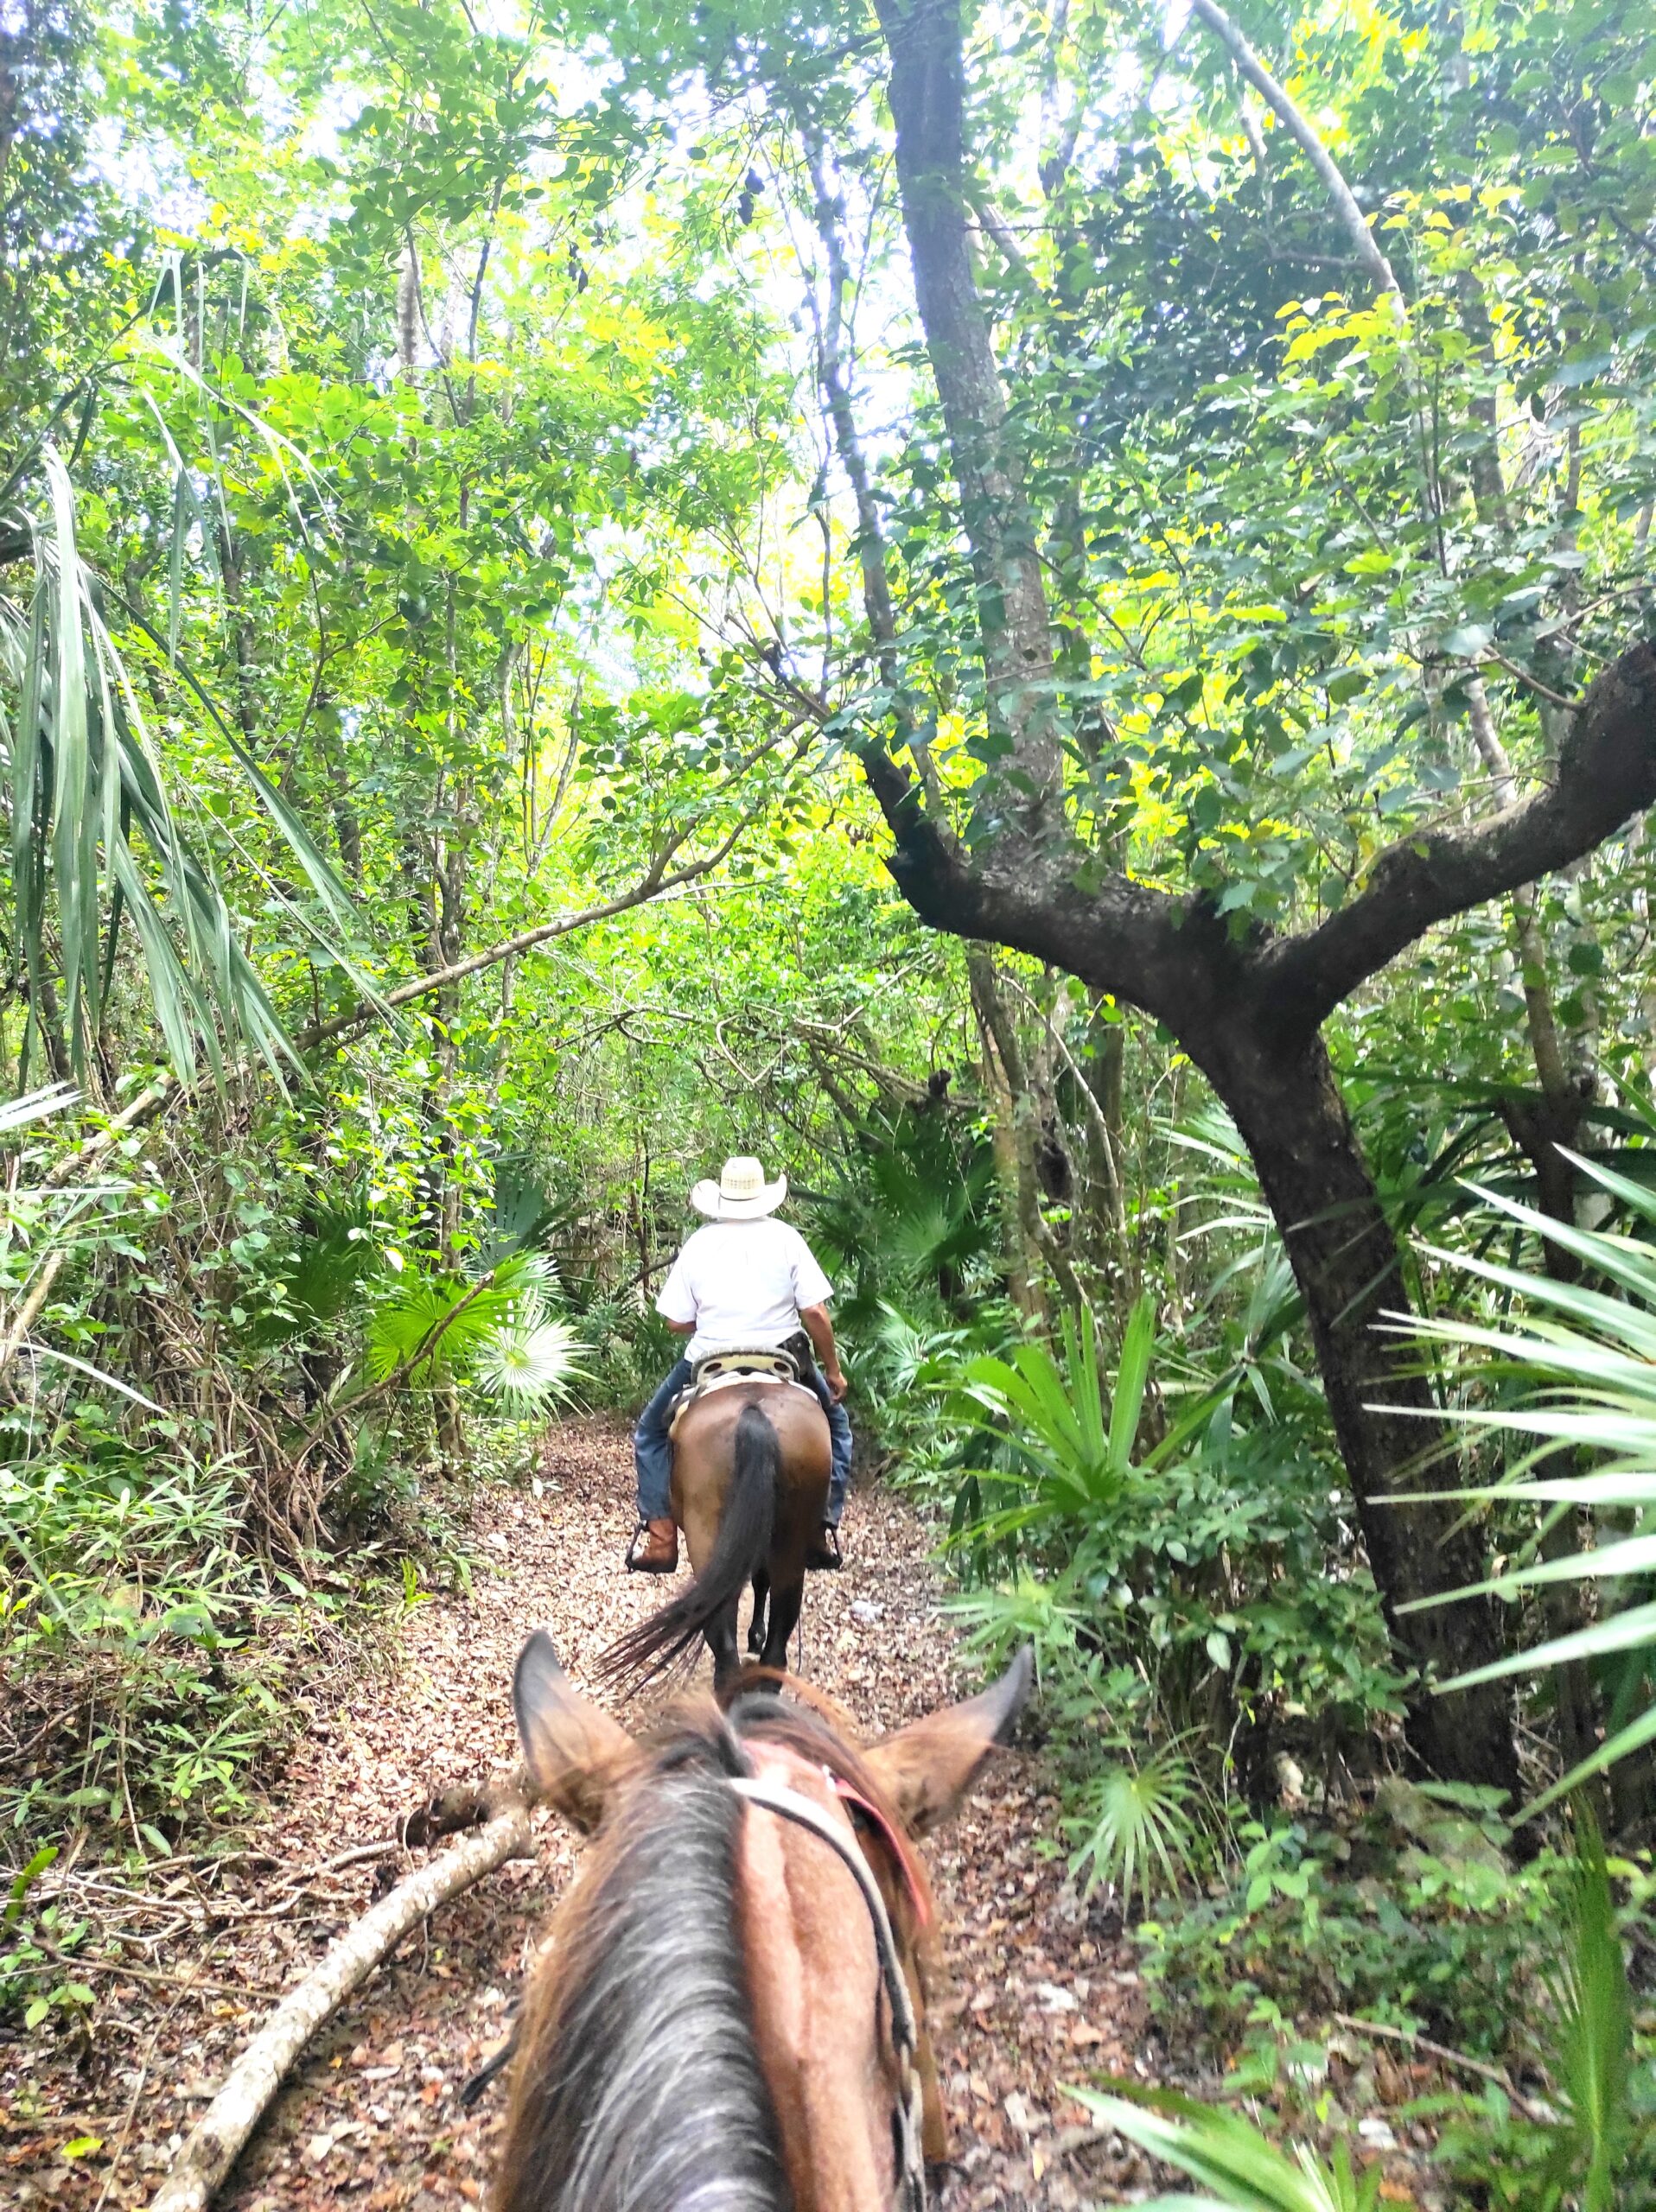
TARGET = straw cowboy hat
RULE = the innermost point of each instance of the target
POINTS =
(741, 1193)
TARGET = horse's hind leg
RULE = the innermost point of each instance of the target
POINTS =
(756, 1625)
(785, 1603)
(721, 1636)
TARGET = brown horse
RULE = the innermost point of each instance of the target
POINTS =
(730, 2014)
(750, 1467)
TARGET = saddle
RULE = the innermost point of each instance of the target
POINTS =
(718, 1370)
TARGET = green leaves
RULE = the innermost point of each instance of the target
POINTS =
(1589, 2066)
(1132, 1822)
(1229, 2156)
(1055, 1409)
(1593, 2037)
(1581, 1364)
(85, 777)
(1075, 1448)
(497, 1332)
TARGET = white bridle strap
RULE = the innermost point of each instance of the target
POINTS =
(791, 1805)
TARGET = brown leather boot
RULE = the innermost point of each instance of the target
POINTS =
(658, 1554)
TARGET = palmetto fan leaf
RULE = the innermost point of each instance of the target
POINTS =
(440, 1327)
(431, 1323)
(1134, 1821)
(94, 836)
(530, 1363)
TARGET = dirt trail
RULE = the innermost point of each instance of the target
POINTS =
(1034, 1993)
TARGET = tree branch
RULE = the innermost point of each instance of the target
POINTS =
(1606, 774)
(1135, 942)
(653, 885)
(167, 1088)
(1298, 126)
(18, 1332)
(213, 2145)
(893, 789)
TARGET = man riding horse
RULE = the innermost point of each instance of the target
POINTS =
(743, 1282)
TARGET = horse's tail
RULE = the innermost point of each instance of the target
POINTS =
(743, 1546)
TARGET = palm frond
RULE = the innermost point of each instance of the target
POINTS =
(1133, 1820)
(1228, 2155)
(527, 1365)
(94, 836)
(35, 1106)
(1593, 2044)
(1580, 1363)
(439, 1325)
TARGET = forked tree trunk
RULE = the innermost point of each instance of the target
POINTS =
(1346, 1262)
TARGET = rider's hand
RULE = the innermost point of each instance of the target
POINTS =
(837, 1384)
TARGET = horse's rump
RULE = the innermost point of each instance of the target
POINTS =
(750, 1474)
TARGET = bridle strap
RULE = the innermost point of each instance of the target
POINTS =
(896, 1842)
(792, 1805)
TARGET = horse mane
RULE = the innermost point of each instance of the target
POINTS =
(638, 2081)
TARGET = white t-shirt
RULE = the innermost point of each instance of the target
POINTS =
(743, 1284)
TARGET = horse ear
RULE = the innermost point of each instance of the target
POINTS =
(927, 1767)
(576, 1751)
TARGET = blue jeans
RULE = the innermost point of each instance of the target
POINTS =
(652, 1451)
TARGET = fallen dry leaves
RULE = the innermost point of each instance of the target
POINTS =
(1037, 1993)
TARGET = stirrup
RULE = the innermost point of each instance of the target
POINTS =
(826, 1553)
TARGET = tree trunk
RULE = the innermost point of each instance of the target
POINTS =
(927, 91)
(1019, 1204)
(1249, 1010)
(1348, 1265)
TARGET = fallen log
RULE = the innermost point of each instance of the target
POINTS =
(216, 2142)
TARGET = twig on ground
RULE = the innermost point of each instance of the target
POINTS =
(1533, 2108)
(186, 1989)
(215, 2144)
(382, 1848)
(78, 1962)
